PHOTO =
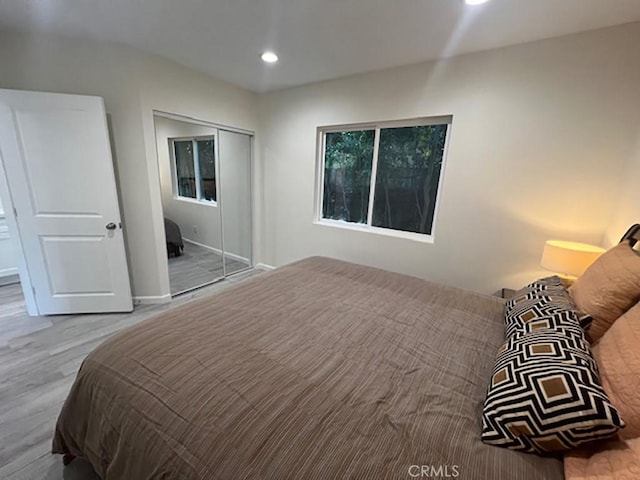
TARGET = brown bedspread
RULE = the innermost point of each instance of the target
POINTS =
(318, 370)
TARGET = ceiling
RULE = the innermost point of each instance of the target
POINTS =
(316, 39)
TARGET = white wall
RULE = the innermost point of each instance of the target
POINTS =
(626, 211)
(133, 84)
(168, 87)
(198, 222)
(542, 136)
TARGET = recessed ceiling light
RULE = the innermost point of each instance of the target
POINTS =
(269, 57)
(475, 2)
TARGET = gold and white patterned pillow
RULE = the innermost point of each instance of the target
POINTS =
(546, 298)
(545, 394)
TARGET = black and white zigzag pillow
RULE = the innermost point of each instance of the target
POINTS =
(543, 299)
(560, 320)
(545, 395)
(521, 314)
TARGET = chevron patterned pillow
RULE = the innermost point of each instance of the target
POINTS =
(545, 394)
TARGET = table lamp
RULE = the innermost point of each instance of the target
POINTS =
(568, 260)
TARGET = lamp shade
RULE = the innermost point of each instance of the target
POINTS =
(569, 258)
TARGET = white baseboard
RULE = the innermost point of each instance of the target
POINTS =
(5, 272)
(232, 256)
(9, 278)
(238, 258)
(152, 300)
(193, 242)
(264, 266)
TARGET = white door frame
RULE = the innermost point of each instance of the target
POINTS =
(16, 241)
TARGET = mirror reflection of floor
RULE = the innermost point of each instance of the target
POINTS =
(198, 265)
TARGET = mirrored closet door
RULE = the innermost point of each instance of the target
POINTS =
(235, 190)
(205, 180)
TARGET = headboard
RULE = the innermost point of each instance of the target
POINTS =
(633, 235)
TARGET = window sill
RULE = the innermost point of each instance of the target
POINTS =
(197, 202)
(417, 237)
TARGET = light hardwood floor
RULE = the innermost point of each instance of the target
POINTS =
(39, 357)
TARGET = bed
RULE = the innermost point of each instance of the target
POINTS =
(320, 369)
(173, 235)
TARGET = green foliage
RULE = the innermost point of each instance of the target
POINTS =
(410, 160)
(353, 150)
(348, 163)
(412, 147)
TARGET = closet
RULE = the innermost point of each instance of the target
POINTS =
(205, 183)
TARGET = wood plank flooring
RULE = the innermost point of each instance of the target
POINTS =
(39, 357)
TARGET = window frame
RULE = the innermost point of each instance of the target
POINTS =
(196, 169)
(377, 127)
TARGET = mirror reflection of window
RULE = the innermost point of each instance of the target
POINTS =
(207, 164)
(185, 170)
(195, 167)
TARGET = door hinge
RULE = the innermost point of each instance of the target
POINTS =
(15, 212)
(33, 289)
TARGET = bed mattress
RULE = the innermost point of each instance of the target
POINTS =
(318, 370)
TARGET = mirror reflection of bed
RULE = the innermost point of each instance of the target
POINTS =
(205, 187)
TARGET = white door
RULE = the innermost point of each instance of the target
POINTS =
(58, 166)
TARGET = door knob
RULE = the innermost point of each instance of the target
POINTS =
(111, 226)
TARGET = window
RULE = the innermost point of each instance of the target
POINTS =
(195, 168)
(383, 176)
